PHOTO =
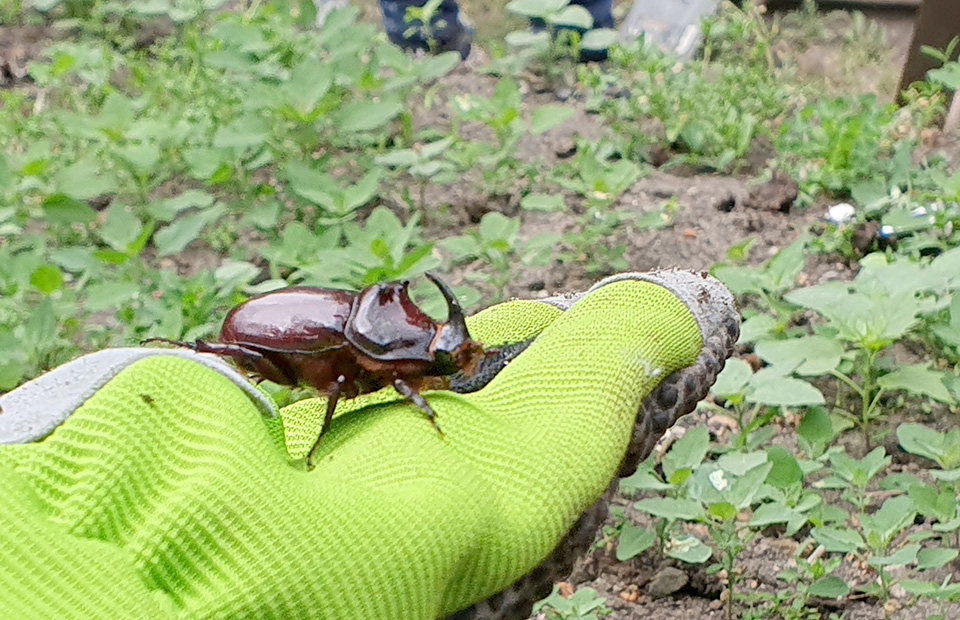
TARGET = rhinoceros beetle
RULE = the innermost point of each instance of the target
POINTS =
(344, 344)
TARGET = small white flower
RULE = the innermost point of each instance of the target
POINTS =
(840, 213)
(718, 481)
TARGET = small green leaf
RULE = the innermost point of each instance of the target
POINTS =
(785, 471)
(901, 557)
(245, 132)
(741, 463)
(366, 115)
(920, 588)
(536, 8)
(262, 215)
(642, 480)
(732, 379)
(110, 295)
(120, 227)
(542, 202)
(670, 508)
(768, 514)
(189, 199)
(687, 452)
(782, 270)
(918, 379)
(182, 231)
(678, 476)
(143, 157)
(598, 38)
(46, 279)
(740, 280)
(745, 488)
(816, 426)
(496, 226)
(41, 328)
(837, 540)
(437, 66)
(548, 116)
(810, 356)
(84, 180)
(687, 549)
(75, 259)
(768, 387)
(204, 163)
(362, 192)
(950, 526)
(526, 38)
(60, 209)
(572, 16)
(893, 516)
(943, 448)
(724, 511)
(935, 557)
(44, 5)
(757, 328)
(829, 586)
(947, 475)
(309, 81)
(942, 506)
(634, 541)
(314, 186)
(11, 373)
(399, 158)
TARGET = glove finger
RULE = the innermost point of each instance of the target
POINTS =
(713, 310)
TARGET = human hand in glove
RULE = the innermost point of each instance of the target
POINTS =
(139, 483)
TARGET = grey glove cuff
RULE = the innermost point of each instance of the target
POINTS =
(33, 410)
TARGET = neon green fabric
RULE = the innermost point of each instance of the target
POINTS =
(167, 496)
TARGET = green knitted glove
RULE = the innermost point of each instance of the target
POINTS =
(167, 493)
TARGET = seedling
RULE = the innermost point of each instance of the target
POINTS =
(495, 243)
(424, 163)
(560, 31)
(584, 604)
(422, 22)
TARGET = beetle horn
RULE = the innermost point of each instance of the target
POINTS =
(455, 317)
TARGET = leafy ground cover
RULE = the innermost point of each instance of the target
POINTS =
(162, 161)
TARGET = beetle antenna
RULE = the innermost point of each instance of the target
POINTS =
(454, 311)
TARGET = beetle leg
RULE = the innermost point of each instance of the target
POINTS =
(413, 396)
(177, 343)
(245, 357)
(332, 399)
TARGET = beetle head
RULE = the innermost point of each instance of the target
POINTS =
(453, 349)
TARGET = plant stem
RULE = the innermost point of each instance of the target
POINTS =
(423, 196)
(730, 581)
(844, 378)
(866, 394)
